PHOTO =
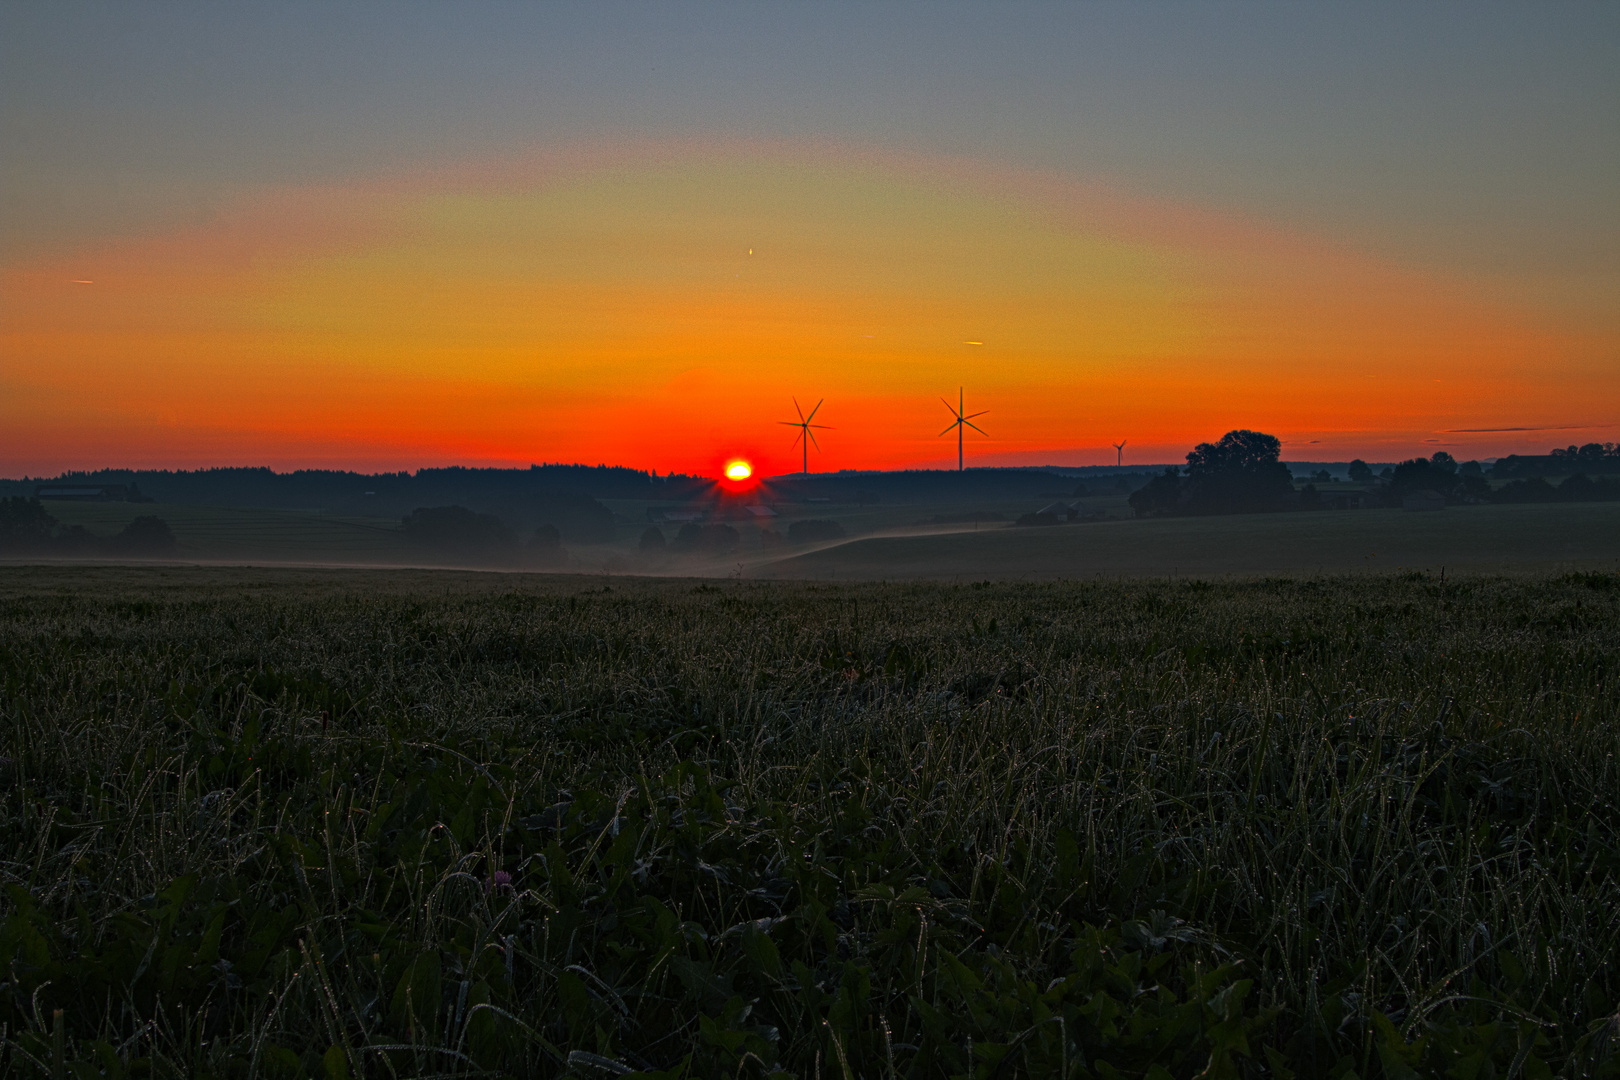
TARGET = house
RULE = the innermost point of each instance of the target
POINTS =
(1424, 500)
(84, 492)
(676, 514)
(1343, 500)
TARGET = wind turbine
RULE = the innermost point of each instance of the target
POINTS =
(963, 420)
(804, 425)
(1119, 452)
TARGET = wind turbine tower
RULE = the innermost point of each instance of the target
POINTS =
(963, 420)
(804, 425)
(1119, 452)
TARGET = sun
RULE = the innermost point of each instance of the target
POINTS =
(739, 470)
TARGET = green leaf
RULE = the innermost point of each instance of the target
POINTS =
(336, 1063)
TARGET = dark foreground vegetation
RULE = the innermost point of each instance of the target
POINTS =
(302, 825)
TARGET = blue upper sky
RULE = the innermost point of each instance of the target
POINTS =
(1484, 138)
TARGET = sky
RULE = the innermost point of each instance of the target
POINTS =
(394, 236)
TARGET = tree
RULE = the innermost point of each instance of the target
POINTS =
(25, 525)
(460, 533)
(147, 535)
(1590, 455)
(545, 547)
(1361, 472)
(1533, 490)
(1242, 473)
(1159, 495)
(1240, 451)
(1421, 474)
(687, 537)
(1443, 460)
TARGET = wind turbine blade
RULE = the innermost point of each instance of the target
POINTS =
(951, 407)
(790, 423)
(812, 435)
(970, 416)
(821, 427)
(812, 415)
(948, 430)
(977, 428)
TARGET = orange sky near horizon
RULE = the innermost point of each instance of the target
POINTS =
(661, 309)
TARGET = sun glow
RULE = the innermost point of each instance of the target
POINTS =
(423, 325)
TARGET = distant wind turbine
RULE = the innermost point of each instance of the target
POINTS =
(1119, 452)
(963, 420)
(805, 434)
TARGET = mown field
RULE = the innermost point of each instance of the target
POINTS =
(1480, 538)
(887, 543)
(299, 823)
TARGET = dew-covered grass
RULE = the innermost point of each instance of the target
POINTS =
(416, 825)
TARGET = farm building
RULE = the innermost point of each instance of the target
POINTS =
(86, 492)
(1424, 500)
(1344, 500)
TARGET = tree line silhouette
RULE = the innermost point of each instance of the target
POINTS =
(1244, 473)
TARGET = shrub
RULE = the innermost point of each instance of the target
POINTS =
(147, 535)
(458, 532)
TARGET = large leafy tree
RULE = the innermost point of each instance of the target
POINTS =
(1438, 473)
(1242, 473)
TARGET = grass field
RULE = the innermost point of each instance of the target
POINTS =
(305, 823)
(1478, 538)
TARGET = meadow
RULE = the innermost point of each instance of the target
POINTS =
(891, 542)
(289, 823)
(1570, 536)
